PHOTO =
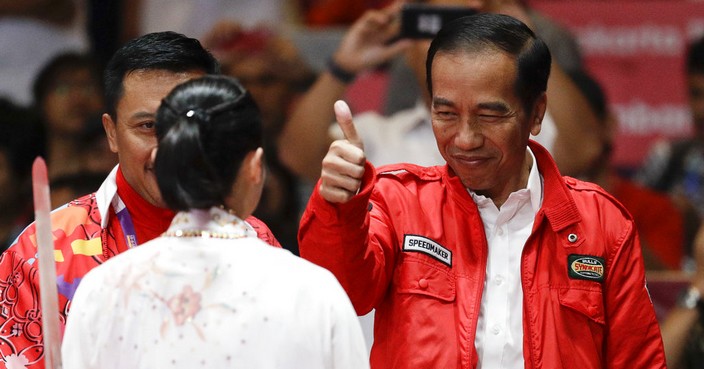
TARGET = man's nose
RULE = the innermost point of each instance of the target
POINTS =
(469, 135)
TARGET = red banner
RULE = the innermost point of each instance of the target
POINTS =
(636, 50)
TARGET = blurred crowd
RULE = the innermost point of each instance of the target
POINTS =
(51, 103)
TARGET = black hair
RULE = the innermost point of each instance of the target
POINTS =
(205, 128)
(695, 57)
(488, 31)
(45, 80)
(169, 51)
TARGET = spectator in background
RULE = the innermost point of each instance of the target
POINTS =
(20, 142)
(67, 92)
(658, 219)
(683, 328)
(677, 167)
(31, 33)
(273, 71)
(268, 64)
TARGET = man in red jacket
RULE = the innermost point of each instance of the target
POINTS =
(127, 209)
(493, 260)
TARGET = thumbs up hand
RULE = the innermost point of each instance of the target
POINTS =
(343, 165)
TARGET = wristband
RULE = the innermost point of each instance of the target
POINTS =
(339, 73)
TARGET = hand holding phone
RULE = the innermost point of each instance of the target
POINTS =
(419, 21)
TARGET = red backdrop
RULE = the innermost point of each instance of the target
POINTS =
(636, 50)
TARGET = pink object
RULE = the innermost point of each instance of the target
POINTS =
(47, 267)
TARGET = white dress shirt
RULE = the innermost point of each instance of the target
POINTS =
(499, 336)
(209, 302)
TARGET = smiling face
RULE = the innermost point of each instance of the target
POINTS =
(133, 135)
(479, 122)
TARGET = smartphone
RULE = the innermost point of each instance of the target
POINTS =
(420, 21)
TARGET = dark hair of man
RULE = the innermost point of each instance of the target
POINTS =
(205, 128)
(169, 51)
(47, 77)
(695, 57)
(486, 32)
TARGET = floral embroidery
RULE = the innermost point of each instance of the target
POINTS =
(185, 305)
(16, 362)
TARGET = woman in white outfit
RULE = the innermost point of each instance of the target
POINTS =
(208, 293)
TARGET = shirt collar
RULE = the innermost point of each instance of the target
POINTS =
(535, 184)
(534, 187)
(214, 220)
(105, 196)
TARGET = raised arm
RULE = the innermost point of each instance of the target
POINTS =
(304, 138)
(577, 143)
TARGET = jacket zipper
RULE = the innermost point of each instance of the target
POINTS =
(526, 305)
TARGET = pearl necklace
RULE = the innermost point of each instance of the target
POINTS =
(203, 234)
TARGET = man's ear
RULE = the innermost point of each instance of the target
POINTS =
(256, 166)
(536, 120)
(152, 157)
(110, 127)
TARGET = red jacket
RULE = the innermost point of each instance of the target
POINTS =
(411, 245)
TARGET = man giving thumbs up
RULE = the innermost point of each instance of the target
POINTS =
(493, 260)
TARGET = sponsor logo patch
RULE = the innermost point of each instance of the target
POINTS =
(590, 268)
(427, 246)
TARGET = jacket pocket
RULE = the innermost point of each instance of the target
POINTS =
(588, 302)
(421, 278)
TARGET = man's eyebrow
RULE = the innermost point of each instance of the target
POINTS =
(142, 115)
(495, 106)
(440, 101)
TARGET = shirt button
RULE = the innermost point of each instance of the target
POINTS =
(498, 280)
(423, 283)
(500, 232)
(496, 329)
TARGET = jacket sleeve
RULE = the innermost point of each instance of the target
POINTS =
(633, 335)
(20, 308)
(353, 240)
